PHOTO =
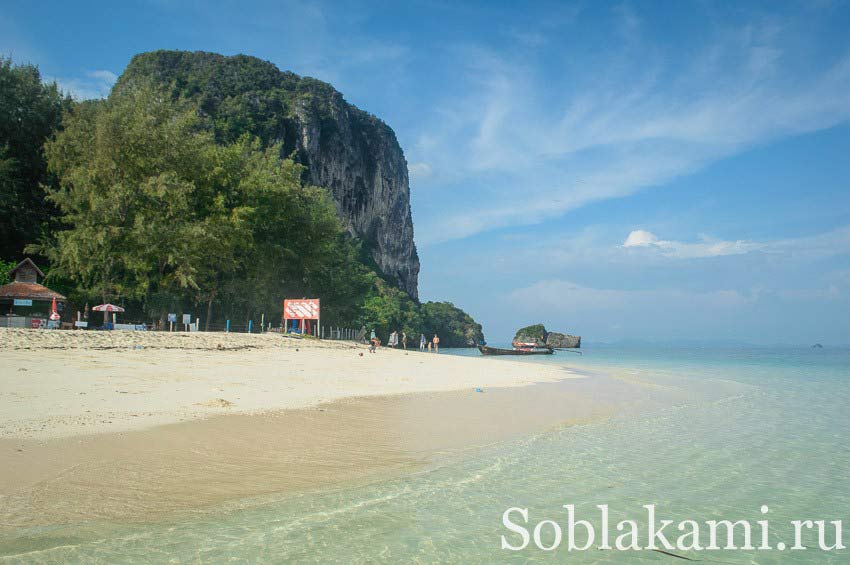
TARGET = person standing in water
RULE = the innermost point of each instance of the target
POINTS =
(436, 341)
(421, 342)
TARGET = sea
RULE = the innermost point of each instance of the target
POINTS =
(748, 433)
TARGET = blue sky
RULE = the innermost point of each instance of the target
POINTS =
(654, 170)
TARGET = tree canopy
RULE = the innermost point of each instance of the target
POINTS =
(154, 210)
(30, 111)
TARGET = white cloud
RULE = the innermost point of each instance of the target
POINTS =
(640, 238)
(684, 250)
(106, 77)
(419, 170)
(833, 242)
(94, 84)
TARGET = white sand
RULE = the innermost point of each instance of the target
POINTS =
(65, 383)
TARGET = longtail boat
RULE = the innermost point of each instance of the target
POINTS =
(486, 350)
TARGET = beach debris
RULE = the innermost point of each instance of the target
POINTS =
(670, 554)
(360, 354)
(479, 390)
(215, 403)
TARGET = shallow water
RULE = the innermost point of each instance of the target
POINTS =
(744, 427)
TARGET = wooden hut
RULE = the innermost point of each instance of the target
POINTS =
(24, 302)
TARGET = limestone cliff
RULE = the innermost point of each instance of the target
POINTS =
(351, 153)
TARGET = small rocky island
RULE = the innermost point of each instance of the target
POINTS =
(539, 335)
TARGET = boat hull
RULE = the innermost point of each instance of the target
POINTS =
(485, 350)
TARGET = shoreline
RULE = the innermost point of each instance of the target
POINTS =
(324, 422)
(82, 383)
(195, 466)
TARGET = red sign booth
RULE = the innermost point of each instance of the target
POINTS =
(304, 309)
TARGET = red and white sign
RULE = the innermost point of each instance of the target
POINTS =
(303, 309)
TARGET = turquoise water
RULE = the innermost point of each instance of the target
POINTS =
(762, 427)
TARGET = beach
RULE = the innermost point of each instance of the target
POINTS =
(139, 426)
(393, 469)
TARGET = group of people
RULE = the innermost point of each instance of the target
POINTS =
(432, 344)
(394, 340)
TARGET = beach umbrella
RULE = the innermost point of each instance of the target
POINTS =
(54, 315)
(106, 308)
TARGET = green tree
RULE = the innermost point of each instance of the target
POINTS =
(5, 267)
(455, 327)
(156, 212)
(143, 195)
(30, 112)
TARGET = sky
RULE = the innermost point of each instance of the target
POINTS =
(660, 171)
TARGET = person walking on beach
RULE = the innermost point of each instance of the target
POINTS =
(373, 344)
(404, 340)
(429, 346)
(422, 342)
(436, 341)
(372, 336)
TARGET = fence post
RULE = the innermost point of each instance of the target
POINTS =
(227, 327)
(250, 323)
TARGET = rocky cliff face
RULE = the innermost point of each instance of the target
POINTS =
(538, 333)
(349, 152)
(357, 158)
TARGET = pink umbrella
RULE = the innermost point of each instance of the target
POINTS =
(106, 308)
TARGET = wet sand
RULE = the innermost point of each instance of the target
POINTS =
(192, 466)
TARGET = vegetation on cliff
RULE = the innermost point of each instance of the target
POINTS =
(528, 333)
(390, 309)
(538, 333)
(349, 152)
